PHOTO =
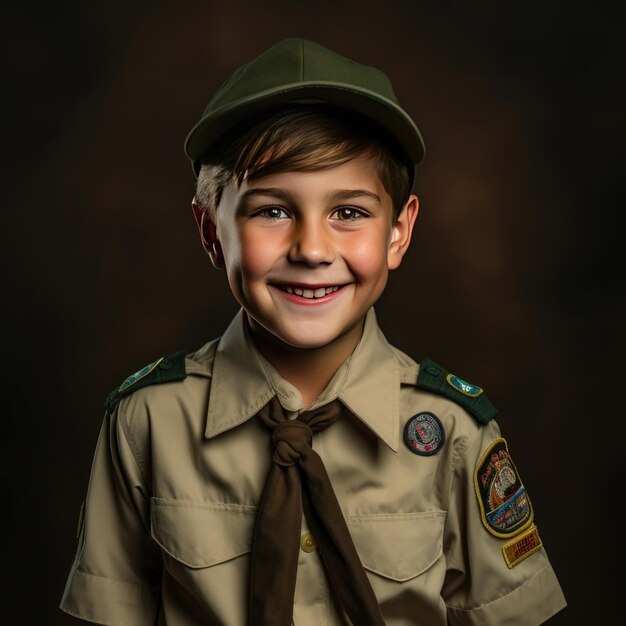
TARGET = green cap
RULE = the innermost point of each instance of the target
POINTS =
(301, 71)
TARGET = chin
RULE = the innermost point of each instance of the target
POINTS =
(305, 341)
(303, 335)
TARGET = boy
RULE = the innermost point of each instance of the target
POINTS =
(300, 470)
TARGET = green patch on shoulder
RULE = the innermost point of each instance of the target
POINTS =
(472, 398)
(467, 389)
(133, 378)
(164, 370)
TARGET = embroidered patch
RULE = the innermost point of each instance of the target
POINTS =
(144, 371)
(424, 434)
(504, 504)
(467, 389)
(521, 547)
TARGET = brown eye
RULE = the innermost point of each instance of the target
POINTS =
(273, 213)
(348, 213)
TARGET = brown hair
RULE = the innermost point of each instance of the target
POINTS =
(300, 138)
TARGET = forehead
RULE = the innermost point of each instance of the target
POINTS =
(358, 176)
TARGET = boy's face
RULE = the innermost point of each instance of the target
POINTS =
(308, 253)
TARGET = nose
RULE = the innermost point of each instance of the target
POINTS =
(311, 244)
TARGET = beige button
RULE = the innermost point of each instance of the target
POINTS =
(307, 542)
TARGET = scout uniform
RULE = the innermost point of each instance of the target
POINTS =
(431, 496)
(412, 501)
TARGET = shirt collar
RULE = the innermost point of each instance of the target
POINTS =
(368, 382)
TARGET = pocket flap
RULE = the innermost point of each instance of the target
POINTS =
(398, 546)
(201, 534)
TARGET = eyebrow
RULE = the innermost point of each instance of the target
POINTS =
(340, 194)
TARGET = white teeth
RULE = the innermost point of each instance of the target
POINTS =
(311, 293)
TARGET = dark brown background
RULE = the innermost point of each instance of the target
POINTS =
(514, 280)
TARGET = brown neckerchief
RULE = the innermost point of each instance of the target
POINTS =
(298, 480)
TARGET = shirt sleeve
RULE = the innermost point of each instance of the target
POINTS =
(498, 572)
(115, 576)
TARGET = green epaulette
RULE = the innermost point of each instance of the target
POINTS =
(433, 377)
(163, 370)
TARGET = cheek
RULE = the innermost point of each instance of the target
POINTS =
(256, 256)
(368, 259)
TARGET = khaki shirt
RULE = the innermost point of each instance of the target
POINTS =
(180, 467)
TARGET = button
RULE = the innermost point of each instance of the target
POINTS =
(307, 542)
(432, 370)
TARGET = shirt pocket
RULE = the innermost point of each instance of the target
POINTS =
(201, 534)
(399, 546)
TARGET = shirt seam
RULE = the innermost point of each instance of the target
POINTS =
(80, 615)
(270, 382)
(457, 463)
(117, 581)
(487, 604)
(134, 448)
(396, 404)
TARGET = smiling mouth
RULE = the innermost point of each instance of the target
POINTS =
(311, 294)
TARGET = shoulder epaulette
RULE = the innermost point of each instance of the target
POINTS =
(163, 370)
(472, 398)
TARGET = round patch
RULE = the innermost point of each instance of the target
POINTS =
(423, 434)
(467, 389)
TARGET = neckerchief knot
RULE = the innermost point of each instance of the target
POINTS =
(291, 440)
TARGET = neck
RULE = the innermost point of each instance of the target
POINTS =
(308, 369)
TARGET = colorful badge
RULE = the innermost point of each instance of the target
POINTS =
(504, 504)
(467, 389)
(144, 371)
(424, 434)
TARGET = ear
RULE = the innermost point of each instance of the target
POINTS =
(401, 232)
(208, 235)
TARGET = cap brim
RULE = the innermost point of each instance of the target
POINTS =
(382, 111)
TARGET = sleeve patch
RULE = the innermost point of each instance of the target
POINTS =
(521, 547)
(505, 507)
